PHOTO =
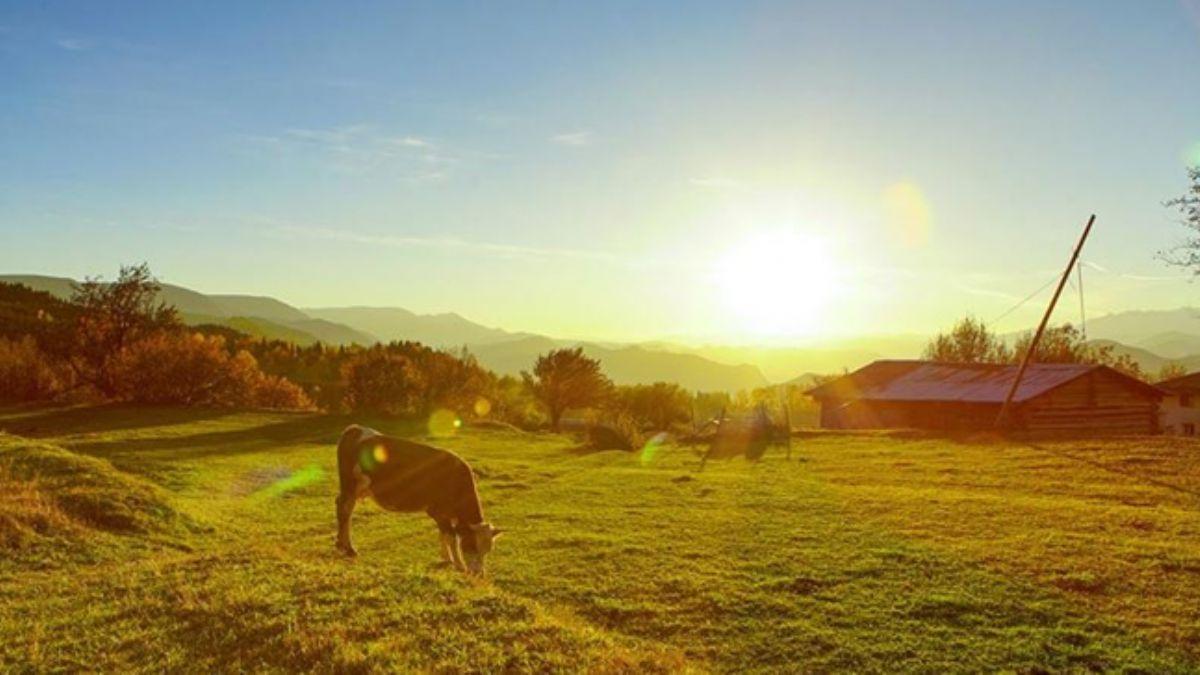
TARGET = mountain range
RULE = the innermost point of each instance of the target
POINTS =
(1151, 337)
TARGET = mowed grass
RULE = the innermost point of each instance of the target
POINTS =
(871, 552)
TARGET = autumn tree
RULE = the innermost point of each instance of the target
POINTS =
(565, 379)
(383, 381)
(111, 317)
(968, 342)
(1187, 253)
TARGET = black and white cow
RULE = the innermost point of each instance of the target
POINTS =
(405, 476)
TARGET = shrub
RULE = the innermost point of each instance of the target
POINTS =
(27, 374)
(618, 432)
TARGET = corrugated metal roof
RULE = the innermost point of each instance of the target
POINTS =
(960, 382)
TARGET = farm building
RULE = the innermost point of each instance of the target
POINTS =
(1053, 398)
(1180, 412)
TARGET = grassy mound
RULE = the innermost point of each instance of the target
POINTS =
(49, 492)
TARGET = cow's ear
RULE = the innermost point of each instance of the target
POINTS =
(496, 532)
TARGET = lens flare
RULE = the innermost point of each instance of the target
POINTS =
(483, 407)
(371, 457)
(443, 423)
(294, 481)
(652, 447)
(909, 215)
(1192, 156)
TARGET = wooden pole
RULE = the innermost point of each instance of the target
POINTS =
(1002, 418)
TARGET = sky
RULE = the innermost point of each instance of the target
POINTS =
(742, 171)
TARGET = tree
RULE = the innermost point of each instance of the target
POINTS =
(112, 316)
(659, 405)
(1187, 253)
(968, 342)
(1065, 344)
(1171, 370)
(383, 381)
(565, 379)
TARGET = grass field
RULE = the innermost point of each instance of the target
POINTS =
(204, 540)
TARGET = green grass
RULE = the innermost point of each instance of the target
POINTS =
(872, 552)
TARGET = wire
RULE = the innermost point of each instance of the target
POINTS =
(1024, 300)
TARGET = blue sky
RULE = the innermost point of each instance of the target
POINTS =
(585, 169)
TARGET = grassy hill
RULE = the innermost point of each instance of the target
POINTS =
(868, 553)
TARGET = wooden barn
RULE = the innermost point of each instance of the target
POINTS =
(1053, 399)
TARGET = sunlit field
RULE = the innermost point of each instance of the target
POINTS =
(191, 540)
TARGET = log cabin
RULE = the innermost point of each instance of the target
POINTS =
(1054, 399)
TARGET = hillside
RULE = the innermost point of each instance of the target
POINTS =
(868, 553)
(626, 365)
(1141, 327)
(394, 323)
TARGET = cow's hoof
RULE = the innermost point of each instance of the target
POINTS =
(348, 550)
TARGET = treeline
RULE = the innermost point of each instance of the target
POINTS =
(117, 342)
(970, 341)
(114, 341)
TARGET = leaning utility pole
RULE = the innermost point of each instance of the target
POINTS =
(1002, 418)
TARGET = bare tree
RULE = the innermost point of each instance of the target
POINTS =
(565, 379)
(1187, 253)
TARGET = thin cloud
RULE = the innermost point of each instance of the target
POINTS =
(361, 148)
(574, 139)
(716, 183)
(73, 44)
(987, 292)
(455, 243)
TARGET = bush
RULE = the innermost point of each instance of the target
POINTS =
(27, 374)
(619, 432)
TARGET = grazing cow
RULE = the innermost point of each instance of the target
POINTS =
(406, 476)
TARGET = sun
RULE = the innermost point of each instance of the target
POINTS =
(776, 284)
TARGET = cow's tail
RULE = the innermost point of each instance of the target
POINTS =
(347, 458)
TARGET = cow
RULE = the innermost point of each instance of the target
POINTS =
(405, 476)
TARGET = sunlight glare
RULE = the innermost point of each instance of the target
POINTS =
(778, 283)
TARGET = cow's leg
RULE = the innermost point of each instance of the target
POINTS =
(449, 542)
(345, 508)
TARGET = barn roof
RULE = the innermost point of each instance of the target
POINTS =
(1185, 384)
(959, 382)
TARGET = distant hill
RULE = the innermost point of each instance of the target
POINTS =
(780, 364)
(257, 316)
(394, 323)
(258, 306)
(1136, 327)
(626, 365)
(1172, 344)
(185, 300)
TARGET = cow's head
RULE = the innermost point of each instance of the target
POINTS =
(477, 544)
